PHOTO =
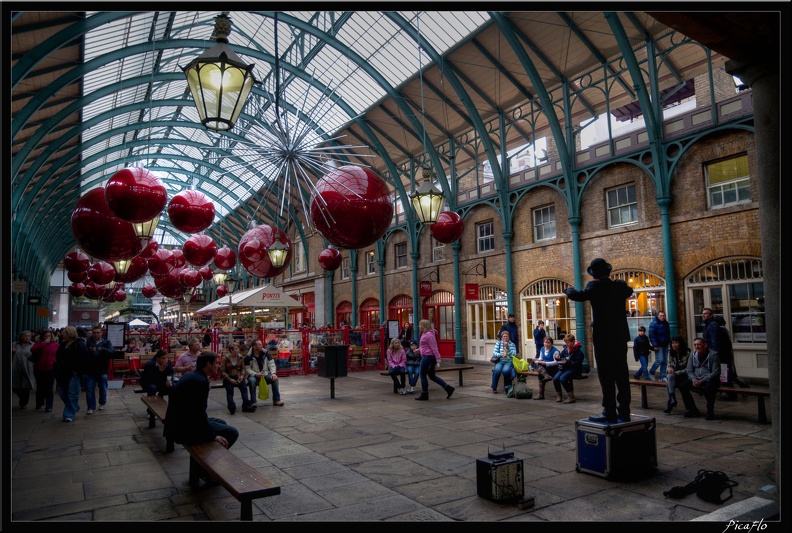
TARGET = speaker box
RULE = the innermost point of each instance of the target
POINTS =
(499, 477)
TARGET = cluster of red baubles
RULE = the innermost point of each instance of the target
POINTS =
(350, 207)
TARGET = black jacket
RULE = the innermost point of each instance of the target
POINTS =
(607, 297)
(186, 418)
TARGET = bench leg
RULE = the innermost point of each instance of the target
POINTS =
(195, 471)
(644, 399)
(762, 412)
(168, 446)
(152, 419)
(246, 514)
(461, 384)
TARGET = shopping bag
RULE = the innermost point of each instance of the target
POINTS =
(263, 393)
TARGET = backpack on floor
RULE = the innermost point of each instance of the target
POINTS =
(520, 390)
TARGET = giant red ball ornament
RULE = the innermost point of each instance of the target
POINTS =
(225, 258)
(149, 250)
(189, 277)
(99, 232)
(169, 285)
(101, 272)
(119, 295)
(137, 269)
(199, 249)
(191, 211)
(330, 259)
(94, 291)
(76, 261)
(265, 235)
(448, 228)
(76, 289)
(135, 194)
(222, 290)
(149, 291)
(161, 262)
(178, 255)
(77, 277)
(206, 272)
(351, 207)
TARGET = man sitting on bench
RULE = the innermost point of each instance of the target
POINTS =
(186, 418)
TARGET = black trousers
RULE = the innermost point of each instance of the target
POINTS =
(614, 377)
(709, 390)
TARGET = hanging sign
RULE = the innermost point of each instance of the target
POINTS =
(471, 291)
(425, 288)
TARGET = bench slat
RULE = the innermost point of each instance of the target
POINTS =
(242, 481)
(443, 368)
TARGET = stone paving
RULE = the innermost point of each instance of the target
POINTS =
(371, 455)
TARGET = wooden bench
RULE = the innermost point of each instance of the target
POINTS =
(760, 394)
(535, 373)
(244, 482)
(444, 367)
(157, 406)
(216, 384)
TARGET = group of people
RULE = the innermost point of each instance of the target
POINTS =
(418, 361)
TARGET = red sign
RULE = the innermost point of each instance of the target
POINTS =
(425, 288)
(471, 291)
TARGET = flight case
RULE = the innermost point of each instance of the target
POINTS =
(624, 449)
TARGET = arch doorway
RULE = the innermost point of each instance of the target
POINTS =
(439, 310)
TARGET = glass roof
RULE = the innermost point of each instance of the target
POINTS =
(321, 46)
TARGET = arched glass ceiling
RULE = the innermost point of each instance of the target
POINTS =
(142, 89)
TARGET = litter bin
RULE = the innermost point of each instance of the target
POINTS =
(331, 361)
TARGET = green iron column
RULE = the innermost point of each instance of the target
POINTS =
(459, 357)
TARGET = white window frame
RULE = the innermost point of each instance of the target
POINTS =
(371, 263)
(737, 189)
(438, 250)
(485, 236)
(622, 203)
(543, 220)
(400, 254)
(298, 256)
(345, 268)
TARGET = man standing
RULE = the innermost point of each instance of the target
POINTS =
(703, 372)
(610, 334)
(186, 418)
(100, 351)
(659, 338)
(511, 327)
(539, 335)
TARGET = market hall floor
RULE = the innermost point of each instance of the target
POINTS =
(371, 455)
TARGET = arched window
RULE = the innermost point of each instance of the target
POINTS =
(369, 314)
(545, 300)
(343, 313)
(485, 317)
(400, 308)
(647, 299)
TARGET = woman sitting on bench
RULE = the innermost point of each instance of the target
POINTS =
(570, 366)
(547, 365)
(676, 372)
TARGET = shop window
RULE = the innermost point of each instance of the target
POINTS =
(544, 223)
(728, 182)
(345, 268)
(622, 206)
(485, 237)
(298, 256)
(371, 263)
(401, 254)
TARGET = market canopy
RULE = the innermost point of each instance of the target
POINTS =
(258, 297)
(137, 323)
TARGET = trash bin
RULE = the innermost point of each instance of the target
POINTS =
(331, 361)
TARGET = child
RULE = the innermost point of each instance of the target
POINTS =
(397, 364)
(413, 366)
(641, 350)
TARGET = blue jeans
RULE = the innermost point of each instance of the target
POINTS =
(397, 375)
(90, 389)
(642, 370)
(230, 387)
(220, 427)
(504, 368)
(70, 394)
(253, 382)
(428, 363)
(413, 373)
(661, 360)
(564, 378)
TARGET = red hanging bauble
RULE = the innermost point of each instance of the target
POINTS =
(448, 228)
(206, 272)
(94, 291)
(119, 295)
(191, 211)
(78, 277)
(199, 249)
(169, 285)
(99, 232)
(222, 290)
(76, 261)
(330, 259)
(225, 258)
(178, 255)
(189, 277)
(266, 235)
(149, 291)
(135, 194)
(101, 272)
(161, 262)
(149, 250)
(76, 289)
(351, 207)
(137, 269)
(252, 250)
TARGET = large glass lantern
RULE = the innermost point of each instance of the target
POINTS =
(219, 81)
(427, 199)
(145, 230)
(277, 254)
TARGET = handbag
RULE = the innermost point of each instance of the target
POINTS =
(263, 393)
(495, 358)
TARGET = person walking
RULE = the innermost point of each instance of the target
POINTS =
(659, 336)
(44, 353)
(641, 350)
(70, 363)
(100, 351)
(610, 334)
(23, 380)
(430, 357)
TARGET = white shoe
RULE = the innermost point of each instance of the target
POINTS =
(90, 411)
(411, 390)
(101, 406)
(401, 391)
